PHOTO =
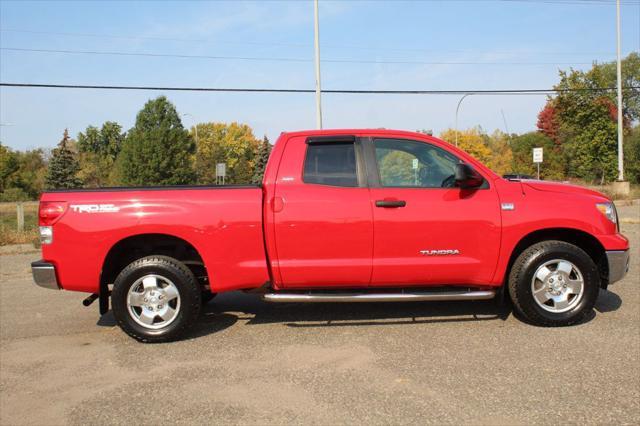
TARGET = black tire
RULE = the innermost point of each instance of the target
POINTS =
(521, 284)
(166, 268)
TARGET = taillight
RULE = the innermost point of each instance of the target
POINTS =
(50, 212)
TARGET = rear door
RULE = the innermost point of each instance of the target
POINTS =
(427, 231)
(322, 215)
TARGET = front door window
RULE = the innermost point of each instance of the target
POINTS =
(410, 164)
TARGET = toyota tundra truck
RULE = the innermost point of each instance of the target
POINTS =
(341, 216)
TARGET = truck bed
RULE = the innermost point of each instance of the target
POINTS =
(152, 188)
(211, 218)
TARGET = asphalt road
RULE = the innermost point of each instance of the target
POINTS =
(248, 362)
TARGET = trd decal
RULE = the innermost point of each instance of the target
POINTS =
(94, 208)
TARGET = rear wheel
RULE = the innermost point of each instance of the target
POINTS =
(156, 299)
(554, 283)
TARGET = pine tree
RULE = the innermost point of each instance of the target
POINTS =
(261, 161)
(63, 166)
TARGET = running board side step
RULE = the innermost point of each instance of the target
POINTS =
(414, 296)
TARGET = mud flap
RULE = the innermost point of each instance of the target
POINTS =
(103, 300)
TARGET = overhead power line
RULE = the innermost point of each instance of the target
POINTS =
(337, 91)
(570, 2)
(278, 59)
(216, 41)
(122, 36)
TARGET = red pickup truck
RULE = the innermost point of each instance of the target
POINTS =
(341, 216)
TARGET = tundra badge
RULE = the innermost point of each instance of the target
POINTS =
(439, 252)
(508, 206)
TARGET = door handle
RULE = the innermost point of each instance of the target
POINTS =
(390, 203)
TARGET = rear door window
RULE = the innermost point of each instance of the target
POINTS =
(332, 163)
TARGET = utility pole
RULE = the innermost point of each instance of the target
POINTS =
(619, 78)
(317, 49)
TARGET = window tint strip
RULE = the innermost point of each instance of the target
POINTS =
(325, 139)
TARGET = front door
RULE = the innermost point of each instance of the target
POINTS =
(427, 231)
(322, 215)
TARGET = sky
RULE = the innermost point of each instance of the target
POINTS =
(445, 45)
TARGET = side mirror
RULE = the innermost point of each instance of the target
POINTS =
(467, 177)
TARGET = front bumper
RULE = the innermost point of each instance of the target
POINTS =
(618, 261)
(44, 274)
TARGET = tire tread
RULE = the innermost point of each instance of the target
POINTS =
(192, 286)
(525, 307)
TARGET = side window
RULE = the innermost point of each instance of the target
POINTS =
(403, 163)
(332, 163)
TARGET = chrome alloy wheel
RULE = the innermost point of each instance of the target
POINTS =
(153, 301)
(557, 286)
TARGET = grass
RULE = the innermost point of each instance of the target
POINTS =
(634, 193)
(9, 233)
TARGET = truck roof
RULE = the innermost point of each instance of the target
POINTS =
(357, 132)
(392, 134)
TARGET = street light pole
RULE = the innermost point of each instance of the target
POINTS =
(458, 109)
(195, 126)
(619, 80)
(317, 49)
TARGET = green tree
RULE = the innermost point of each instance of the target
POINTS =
(233, 144)
(21, 174)
(112, 138)
(607, 73)
(157, 150)
(583, 120)
(63, 166)
(31, 173)
(262, 157)
(632, 155)
(89, 141)
(99, 149)
(8, 166)
(522, 148)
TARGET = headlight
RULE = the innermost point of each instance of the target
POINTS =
(609, 210)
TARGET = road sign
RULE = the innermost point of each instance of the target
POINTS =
(537, 158)
(415, 163)
(221, 173)
(537, 155)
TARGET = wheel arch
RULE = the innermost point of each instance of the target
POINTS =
(579, 238)
(137, 246)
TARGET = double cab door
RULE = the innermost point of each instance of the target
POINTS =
(357, 212)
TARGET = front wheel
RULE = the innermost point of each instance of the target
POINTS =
(156, 299)
(554, 283)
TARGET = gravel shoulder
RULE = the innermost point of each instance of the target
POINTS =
(248, 362)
